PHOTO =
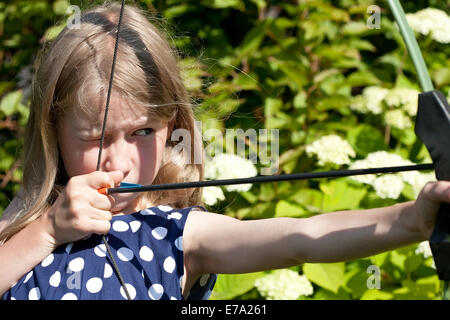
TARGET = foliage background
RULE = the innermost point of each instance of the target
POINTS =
(288, 65)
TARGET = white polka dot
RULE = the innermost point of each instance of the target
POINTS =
(204, 280)
(34, 294)
(100, 250)
(165, 208)
(120, 226)
(179, 243)
(159, 233)
(156, 291)
(94, 285)
(28, 276)
(169, 264)
(125, 254)
(131, 290)
(135, 225)
(146, 253)
(173, 298)
(76, 264)
(147, 212)
(69, 296)
(108, 271)
(55, 279)
(48, 261)
(174, 215)
(69, 247)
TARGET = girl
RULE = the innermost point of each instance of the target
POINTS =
(165, 246)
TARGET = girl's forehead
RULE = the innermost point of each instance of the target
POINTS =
(119, 112)
(94, 108)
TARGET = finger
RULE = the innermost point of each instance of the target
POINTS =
(99, 179)
(97, 214)
(99, 226)
(101, 201)
(438, 190)
(117, 177)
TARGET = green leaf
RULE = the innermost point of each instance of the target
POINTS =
(222, 4)
(229, 286)
(327, 275)
(311, 199)
(60, 7)
(354, 28)
(356, 281)
(338, 195)
(374, 294)
(366, 139)
(53, 32)
(288, 209)
(6, 160)
(10, 102)
(441, 76)
(252, 40)
(380, 259)
(398, 259)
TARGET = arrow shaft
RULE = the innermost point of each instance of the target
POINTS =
(273, 178)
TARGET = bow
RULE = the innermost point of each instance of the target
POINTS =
(433, 111)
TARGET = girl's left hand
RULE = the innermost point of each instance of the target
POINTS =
(428, 203)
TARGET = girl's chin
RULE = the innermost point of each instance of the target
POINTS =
(123, 206)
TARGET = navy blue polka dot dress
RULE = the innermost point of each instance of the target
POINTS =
(148, 248)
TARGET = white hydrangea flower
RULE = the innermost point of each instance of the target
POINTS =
(284, 284)
(388, 186)
(424, 249)
(211, 195)
(374, 97)
(370, 100)
(331, 149)
(396, 118)
(405, 98)
(377, 159)
(431, 20)
(417, 179)
(230, 166)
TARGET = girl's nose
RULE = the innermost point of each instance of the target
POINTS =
(117, 156)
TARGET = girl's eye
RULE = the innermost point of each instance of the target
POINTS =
(143, 132)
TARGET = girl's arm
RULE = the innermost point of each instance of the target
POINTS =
(23, 252)
(216, 243)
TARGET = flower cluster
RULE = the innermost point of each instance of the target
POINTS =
(424, 249)
(331, 149)
(284, 284)
(370, 101)
(400, 104)
(226, 166)
(406, 98)
(431, 21)
(390, 185)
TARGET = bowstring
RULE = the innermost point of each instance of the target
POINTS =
(102, 139)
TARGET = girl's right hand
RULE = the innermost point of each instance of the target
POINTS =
(80, 209)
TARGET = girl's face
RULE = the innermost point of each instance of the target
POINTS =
(134, 144)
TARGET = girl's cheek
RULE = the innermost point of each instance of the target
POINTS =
(81, 162)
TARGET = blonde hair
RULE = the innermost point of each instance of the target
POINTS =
(73, 70)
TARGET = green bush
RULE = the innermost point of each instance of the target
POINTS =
(309, 69)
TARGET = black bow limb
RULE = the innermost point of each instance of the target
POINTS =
(433, 128)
